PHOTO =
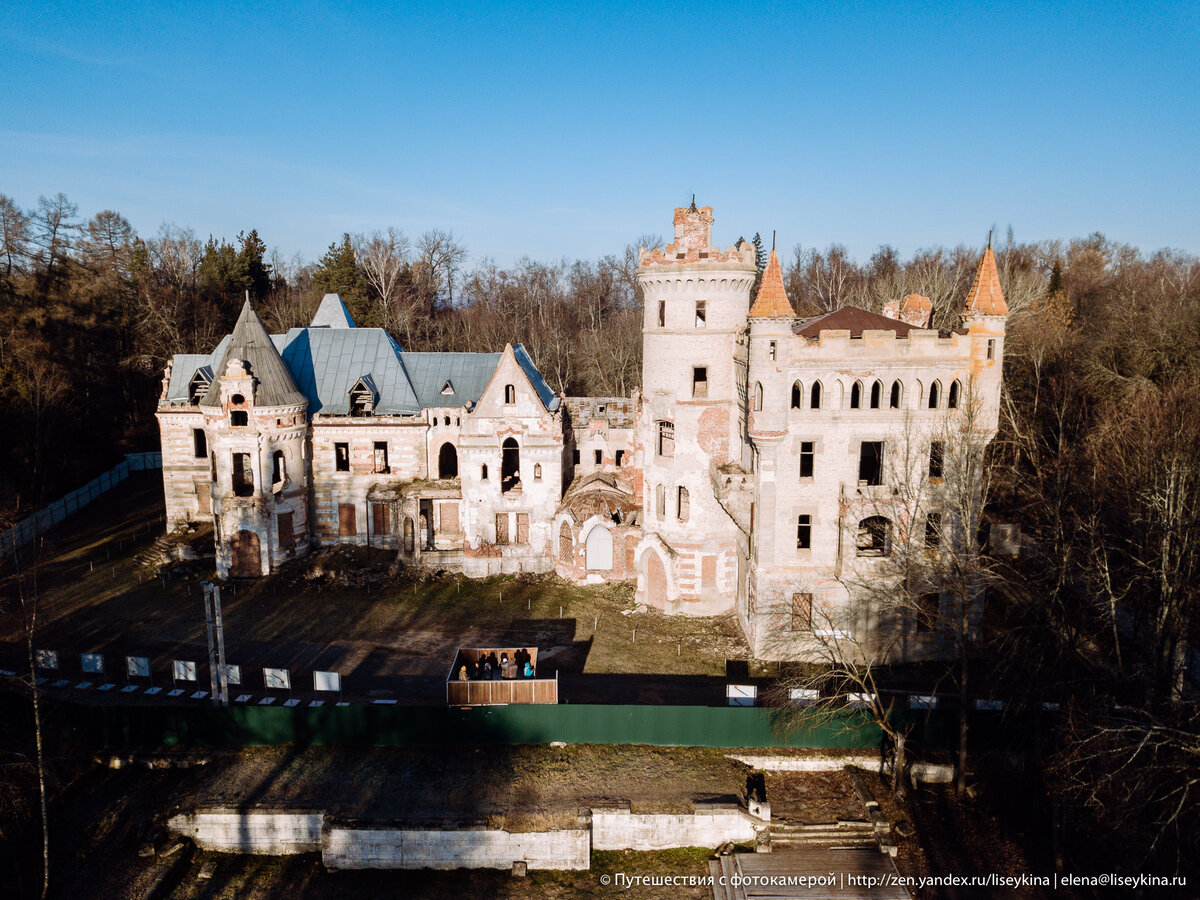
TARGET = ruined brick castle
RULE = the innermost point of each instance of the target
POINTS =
(750, 473)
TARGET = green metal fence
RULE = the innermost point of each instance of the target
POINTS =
(392, 726)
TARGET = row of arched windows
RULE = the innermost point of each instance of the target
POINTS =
(872, 397)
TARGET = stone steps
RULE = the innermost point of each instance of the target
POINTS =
(832, 834)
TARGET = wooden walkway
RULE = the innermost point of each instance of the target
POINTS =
(845, 866)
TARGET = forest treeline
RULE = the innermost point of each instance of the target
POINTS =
(1098, 459)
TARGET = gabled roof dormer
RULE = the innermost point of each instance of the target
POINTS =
(199, 385)
(363, 397)
(448, 389)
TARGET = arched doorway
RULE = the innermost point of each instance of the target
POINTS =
(510, 465)
(447, 461)
(656, 582)
(247, 560)
(599, 549)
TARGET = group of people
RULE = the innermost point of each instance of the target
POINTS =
(488, 668)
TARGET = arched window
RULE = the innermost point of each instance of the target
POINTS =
(483, 472)
(510, 395)
(814, 400)
(934, 390)
(566, 545)
(278, 472)
(796, 392)
(952, 397)
(448, 461)
(510, 465)
(445, 420)
(894, 399)
(876, 394)
(683, 505)
(874, 537)
(856, 396)
(537, 472)
(758, 396)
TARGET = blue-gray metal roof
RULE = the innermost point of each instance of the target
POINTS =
(332, 313)
(468, 374)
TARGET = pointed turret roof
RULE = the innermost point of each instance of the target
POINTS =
(250, 343)
(772, 300)
(332, 313)
(986, 297)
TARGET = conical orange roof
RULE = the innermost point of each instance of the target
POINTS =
(772, 300)
(986, 296)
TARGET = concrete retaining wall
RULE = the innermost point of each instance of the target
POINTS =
(393, 848)
(275, 833)
(709, 825)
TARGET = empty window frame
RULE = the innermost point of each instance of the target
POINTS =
(699, 381)
(537, 471)
(870, 462)
(362, 400)
(933, 530)
(510, 394)
(620, 459)
(802, 609)
(991, 348)
(510, 465)
(575, 457)
(804, 532)
(894, 397)
(243, 475)
(856, 396)
(814, 400)
(598, 456)
(662, 313)
(199, 443)
(876, 395)
(936, 460)
(381, 458)
(772, 351)
(935, 390)
(797, 392)
(666, 438)
(952, 397)
(807, 458)
(239, 418)
(701, 313)
(683, 504)
(341, 457)
(483, 472)
(874, 537)
(278, 467)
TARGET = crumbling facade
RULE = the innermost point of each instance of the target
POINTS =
(762, 468)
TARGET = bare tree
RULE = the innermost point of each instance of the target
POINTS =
(439, 257)
(14, 236)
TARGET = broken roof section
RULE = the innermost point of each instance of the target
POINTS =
(250, 343)
(852, 319)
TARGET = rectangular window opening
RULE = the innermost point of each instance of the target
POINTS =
(599, 457)
(870, 463)
(666, 438)
(807, 456)
(501, 528)
(991, 348)
(199, 444)
(243, 475)
(662, 313)
(936, 459)
(341, 457)
(699, 381)
(804, 532)
(701, 313)
(771, 351)
(933, 530)
(620, 458)
(381, 458)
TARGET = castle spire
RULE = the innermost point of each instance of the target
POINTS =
(986, 297)
(772, 300)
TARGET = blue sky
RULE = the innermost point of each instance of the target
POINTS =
(569, 129)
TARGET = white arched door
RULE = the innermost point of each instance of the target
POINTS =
(599, 549)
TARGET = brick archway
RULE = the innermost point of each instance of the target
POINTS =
(247, 559)
(656, 582)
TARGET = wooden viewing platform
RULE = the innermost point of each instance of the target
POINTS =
(515, 689)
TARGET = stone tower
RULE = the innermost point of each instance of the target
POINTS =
(256, 423)
(696, 298)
